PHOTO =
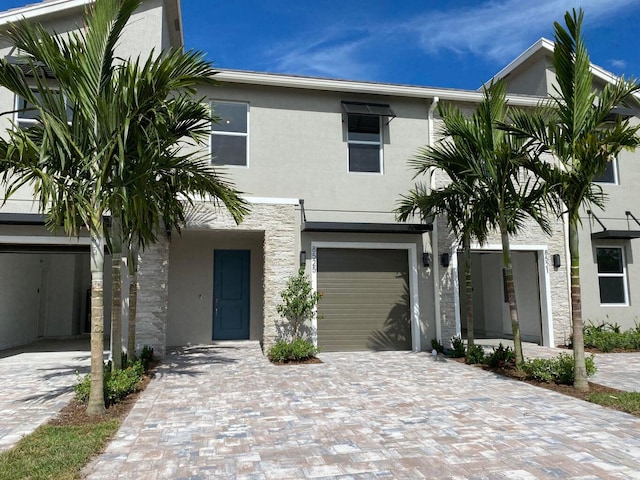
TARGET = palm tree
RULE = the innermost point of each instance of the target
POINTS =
(490, 165)
(65, 161)
(164, 126)
(575, 126)
(79, 169)
(460, 203)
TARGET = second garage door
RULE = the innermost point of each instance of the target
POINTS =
(365, 303)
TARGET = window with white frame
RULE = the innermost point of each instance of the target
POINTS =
(26, 113)
(364, 137)
(609, 174)
(230, 133)
(612, 276)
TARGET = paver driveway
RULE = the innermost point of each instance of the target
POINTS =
(35, 383)
(225, 412)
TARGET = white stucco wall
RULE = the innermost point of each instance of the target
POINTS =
(190, 312)
(297, 139)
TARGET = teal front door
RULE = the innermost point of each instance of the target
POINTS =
(231, 294)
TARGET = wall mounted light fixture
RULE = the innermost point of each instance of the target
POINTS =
(426, 261)
(444, 259)
(557, 263)
(303, 257)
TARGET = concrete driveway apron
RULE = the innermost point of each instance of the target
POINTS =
(225, 412)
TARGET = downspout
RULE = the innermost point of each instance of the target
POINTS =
(567, 262)
(435, 265)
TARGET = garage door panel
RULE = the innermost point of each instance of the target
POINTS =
(365, 303)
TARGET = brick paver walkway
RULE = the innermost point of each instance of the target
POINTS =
(618, 370)
(225, 412)
(35, 383)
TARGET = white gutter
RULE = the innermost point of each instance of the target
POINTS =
(371, 88)
(567, 261)
(435, 265)
(31, 12)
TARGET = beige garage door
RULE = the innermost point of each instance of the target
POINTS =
(366, 301)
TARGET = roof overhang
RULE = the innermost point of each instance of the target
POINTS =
(22, 219)
(43, 249)
(35, 11)
(547, 46)
(347, 227)
(616, 235)
(42, 9)
(361, 87)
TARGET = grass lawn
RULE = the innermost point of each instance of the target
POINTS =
(624, 401)
(61, 448)
(53, 451)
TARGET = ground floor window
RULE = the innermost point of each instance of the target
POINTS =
(612, 277)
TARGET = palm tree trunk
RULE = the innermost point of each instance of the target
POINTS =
(466, 245)
(511, 295)
(96, 394)
(580, 381)
(116, 298)
(133, 299)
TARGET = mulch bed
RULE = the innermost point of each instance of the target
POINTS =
(512, 372)
(597, 350)
(75, 412)
(299, 362)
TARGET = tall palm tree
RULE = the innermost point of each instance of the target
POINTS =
(460, 202)
(65, 161)
(79, 168)
(490, 162)
(164, 129)
(575, 126)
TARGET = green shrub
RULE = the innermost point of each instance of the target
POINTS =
(457, 347)
(298, 350)
(298, 305)
(555, 370)
(436, 345)
(475, 355)
(608, 337)
(500, 357)
(117, 384)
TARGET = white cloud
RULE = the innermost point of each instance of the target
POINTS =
(495, 29)
(329, 56)
(619, 64)
(502, 29)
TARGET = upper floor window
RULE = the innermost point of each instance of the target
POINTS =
(27, 115)
(364, 135)
(230, 134)
(365, 144)
(610, 173)
(612, 277)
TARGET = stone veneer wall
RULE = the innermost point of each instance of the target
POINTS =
(153, 297)
(277, 221)
(446, 281)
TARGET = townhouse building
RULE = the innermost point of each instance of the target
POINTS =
(323, 163)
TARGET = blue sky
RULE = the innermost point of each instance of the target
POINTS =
(457, 44)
